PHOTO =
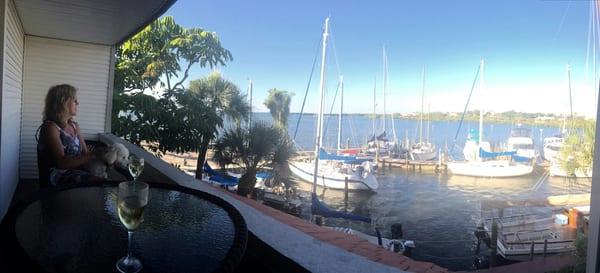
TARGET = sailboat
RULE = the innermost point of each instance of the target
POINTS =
(328, 170)
(553, 144)
(381, 144)
(556, 168)
(476, 164)
(423, 151)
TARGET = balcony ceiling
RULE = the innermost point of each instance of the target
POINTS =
(106, 22)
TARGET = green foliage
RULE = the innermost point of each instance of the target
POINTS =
(278, 102)
(251, 149)
(577, 154)
(157, 60)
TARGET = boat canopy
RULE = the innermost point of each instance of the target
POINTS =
(485, 154)
(520, 132)
(219, 177)
(319, 208)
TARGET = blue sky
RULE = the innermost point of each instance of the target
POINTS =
(526, 45)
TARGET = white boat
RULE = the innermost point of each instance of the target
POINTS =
(423, 150)
(552, 146)
(493, 168)
(521, 141)
(332, 175)
(331, 171)
(476, 153)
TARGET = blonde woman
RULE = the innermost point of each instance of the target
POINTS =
(61, 147)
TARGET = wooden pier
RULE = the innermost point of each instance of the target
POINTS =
(414, 165)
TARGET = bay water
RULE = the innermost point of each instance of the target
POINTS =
(439, 211)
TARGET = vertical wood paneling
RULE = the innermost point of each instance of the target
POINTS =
(12, 93)
(49, 62)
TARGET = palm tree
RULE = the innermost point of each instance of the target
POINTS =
(278, 102)
(251, 149)
(208, 101)
(578, 152)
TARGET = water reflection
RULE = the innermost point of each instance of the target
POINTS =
(441, 211)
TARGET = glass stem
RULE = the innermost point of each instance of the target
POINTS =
(129, 234)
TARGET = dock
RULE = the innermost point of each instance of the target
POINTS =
(414, 165)
(523, 232)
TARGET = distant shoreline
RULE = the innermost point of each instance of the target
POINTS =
(511, 117)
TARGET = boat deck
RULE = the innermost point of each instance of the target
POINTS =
(523, 231)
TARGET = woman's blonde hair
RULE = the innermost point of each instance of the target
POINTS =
(55, 107)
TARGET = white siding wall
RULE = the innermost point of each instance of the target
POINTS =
(12, 93)
(49, 62)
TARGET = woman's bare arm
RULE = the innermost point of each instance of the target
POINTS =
(52, 140)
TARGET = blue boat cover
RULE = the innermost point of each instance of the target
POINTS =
(228, 179)
(485, 154)
(219, 177)
(319, 208)
(324, 155)
(519, 158)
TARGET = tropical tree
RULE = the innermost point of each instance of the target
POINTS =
(578, 152)
(278, 102)
(215, 98)
(150, 72)
(251, 149)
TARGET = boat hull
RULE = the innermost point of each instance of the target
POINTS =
(424, 152)
(331, 179)
(495, 168)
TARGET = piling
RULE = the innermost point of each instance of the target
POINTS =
(545, 247)
(319, 220)
(531, 251)
(345, 194)
(494, 244)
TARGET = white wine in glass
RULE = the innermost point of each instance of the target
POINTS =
(131, 201)
(136, 166)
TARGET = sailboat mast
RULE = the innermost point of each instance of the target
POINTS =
(570, 95)
(339, 138)
(374, 103)
(428, 119)
(384, 87)
(481, 87)
(319, 138)
(422, 104)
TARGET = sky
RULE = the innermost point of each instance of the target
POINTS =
(526, 45)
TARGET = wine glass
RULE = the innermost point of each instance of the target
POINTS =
(131, 201)
(136, 166)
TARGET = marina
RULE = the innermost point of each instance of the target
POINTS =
(440, 212)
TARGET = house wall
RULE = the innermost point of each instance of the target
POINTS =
(49, 62)
(11, 98)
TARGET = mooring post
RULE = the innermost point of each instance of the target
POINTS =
(545, 247)
(531, 251)
(494, 244)
(318, 220)
(345, 194)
